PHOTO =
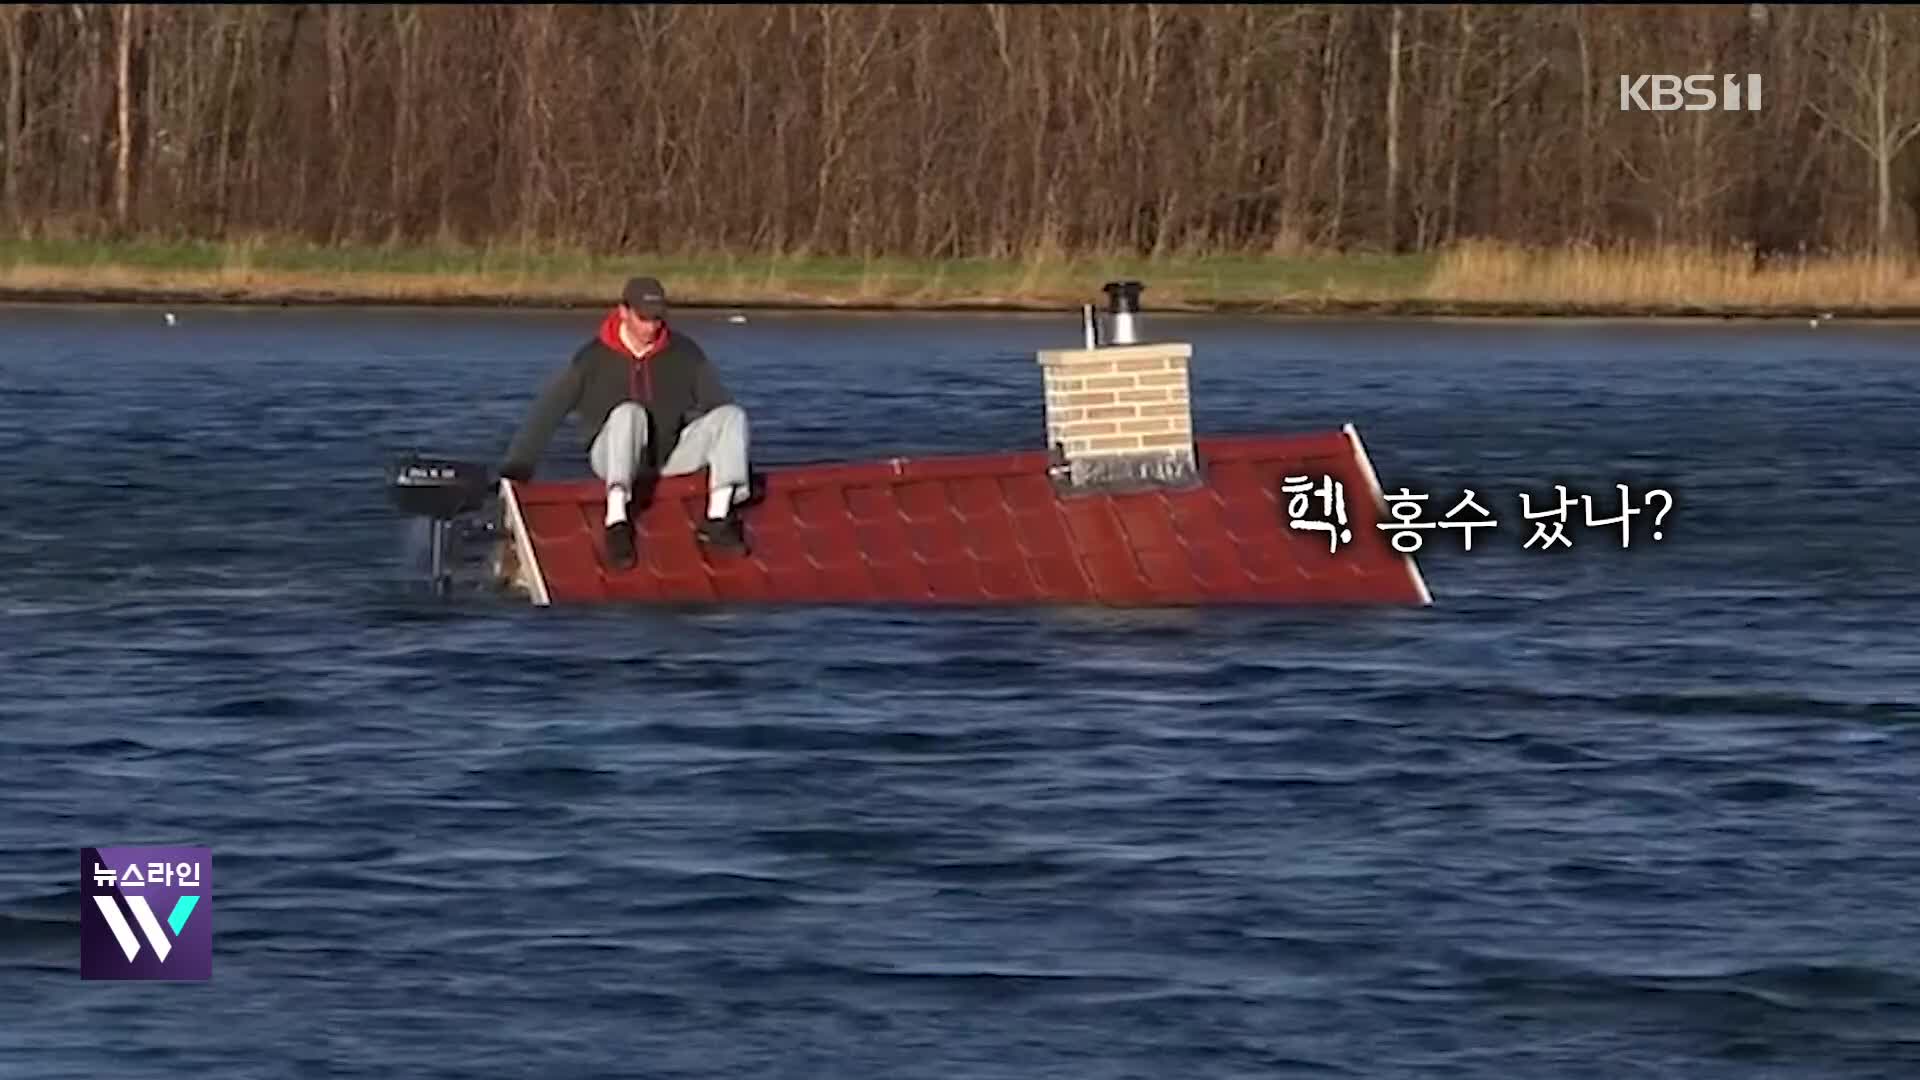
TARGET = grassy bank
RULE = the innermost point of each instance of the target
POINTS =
(1470, 280)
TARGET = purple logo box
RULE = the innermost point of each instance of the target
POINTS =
(146, 913)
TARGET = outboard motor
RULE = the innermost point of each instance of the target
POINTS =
(440, 490)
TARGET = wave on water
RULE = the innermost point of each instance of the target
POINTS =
(1648, 812)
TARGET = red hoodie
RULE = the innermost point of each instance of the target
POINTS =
(639, 372)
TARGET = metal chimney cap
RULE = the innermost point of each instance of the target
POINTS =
(1123, 296)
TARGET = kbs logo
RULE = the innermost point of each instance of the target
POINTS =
(1663, 93)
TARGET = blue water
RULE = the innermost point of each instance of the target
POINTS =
(1596, 813)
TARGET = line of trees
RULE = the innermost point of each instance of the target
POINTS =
(945, 131)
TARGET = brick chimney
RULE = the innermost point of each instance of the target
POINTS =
(1118, 416)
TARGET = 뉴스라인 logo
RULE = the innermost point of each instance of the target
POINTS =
(146, 913)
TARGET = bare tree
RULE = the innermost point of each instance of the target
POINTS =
(1879, 113)
(950, 131)
(11, 18)
(1392, 216)
(123, 108)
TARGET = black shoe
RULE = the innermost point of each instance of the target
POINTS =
(724, 534)
(620, 545)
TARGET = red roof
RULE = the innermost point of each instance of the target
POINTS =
(988, 529)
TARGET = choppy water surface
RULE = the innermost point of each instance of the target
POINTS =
(1599, 813)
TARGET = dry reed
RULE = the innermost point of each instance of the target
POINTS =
(1672, 279)
(1468, 278)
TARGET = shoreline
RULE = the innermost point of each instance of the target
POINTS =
(1471, 281)
(1302, 307)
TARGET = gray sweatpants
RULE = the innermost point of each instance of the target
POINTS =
(717, 442)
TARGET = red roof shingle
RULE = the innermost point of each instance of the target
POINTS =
(989, 529)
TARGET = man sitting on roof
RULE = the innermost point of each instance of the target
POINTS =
(648, 399)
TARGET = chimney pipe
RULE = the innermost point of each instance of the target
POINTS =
(1123, 311)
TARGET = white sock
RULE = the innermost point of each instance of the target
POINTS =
(616, 504)
(719, 501)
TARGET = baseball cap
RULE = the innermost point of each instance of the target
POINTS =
(645, 296)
